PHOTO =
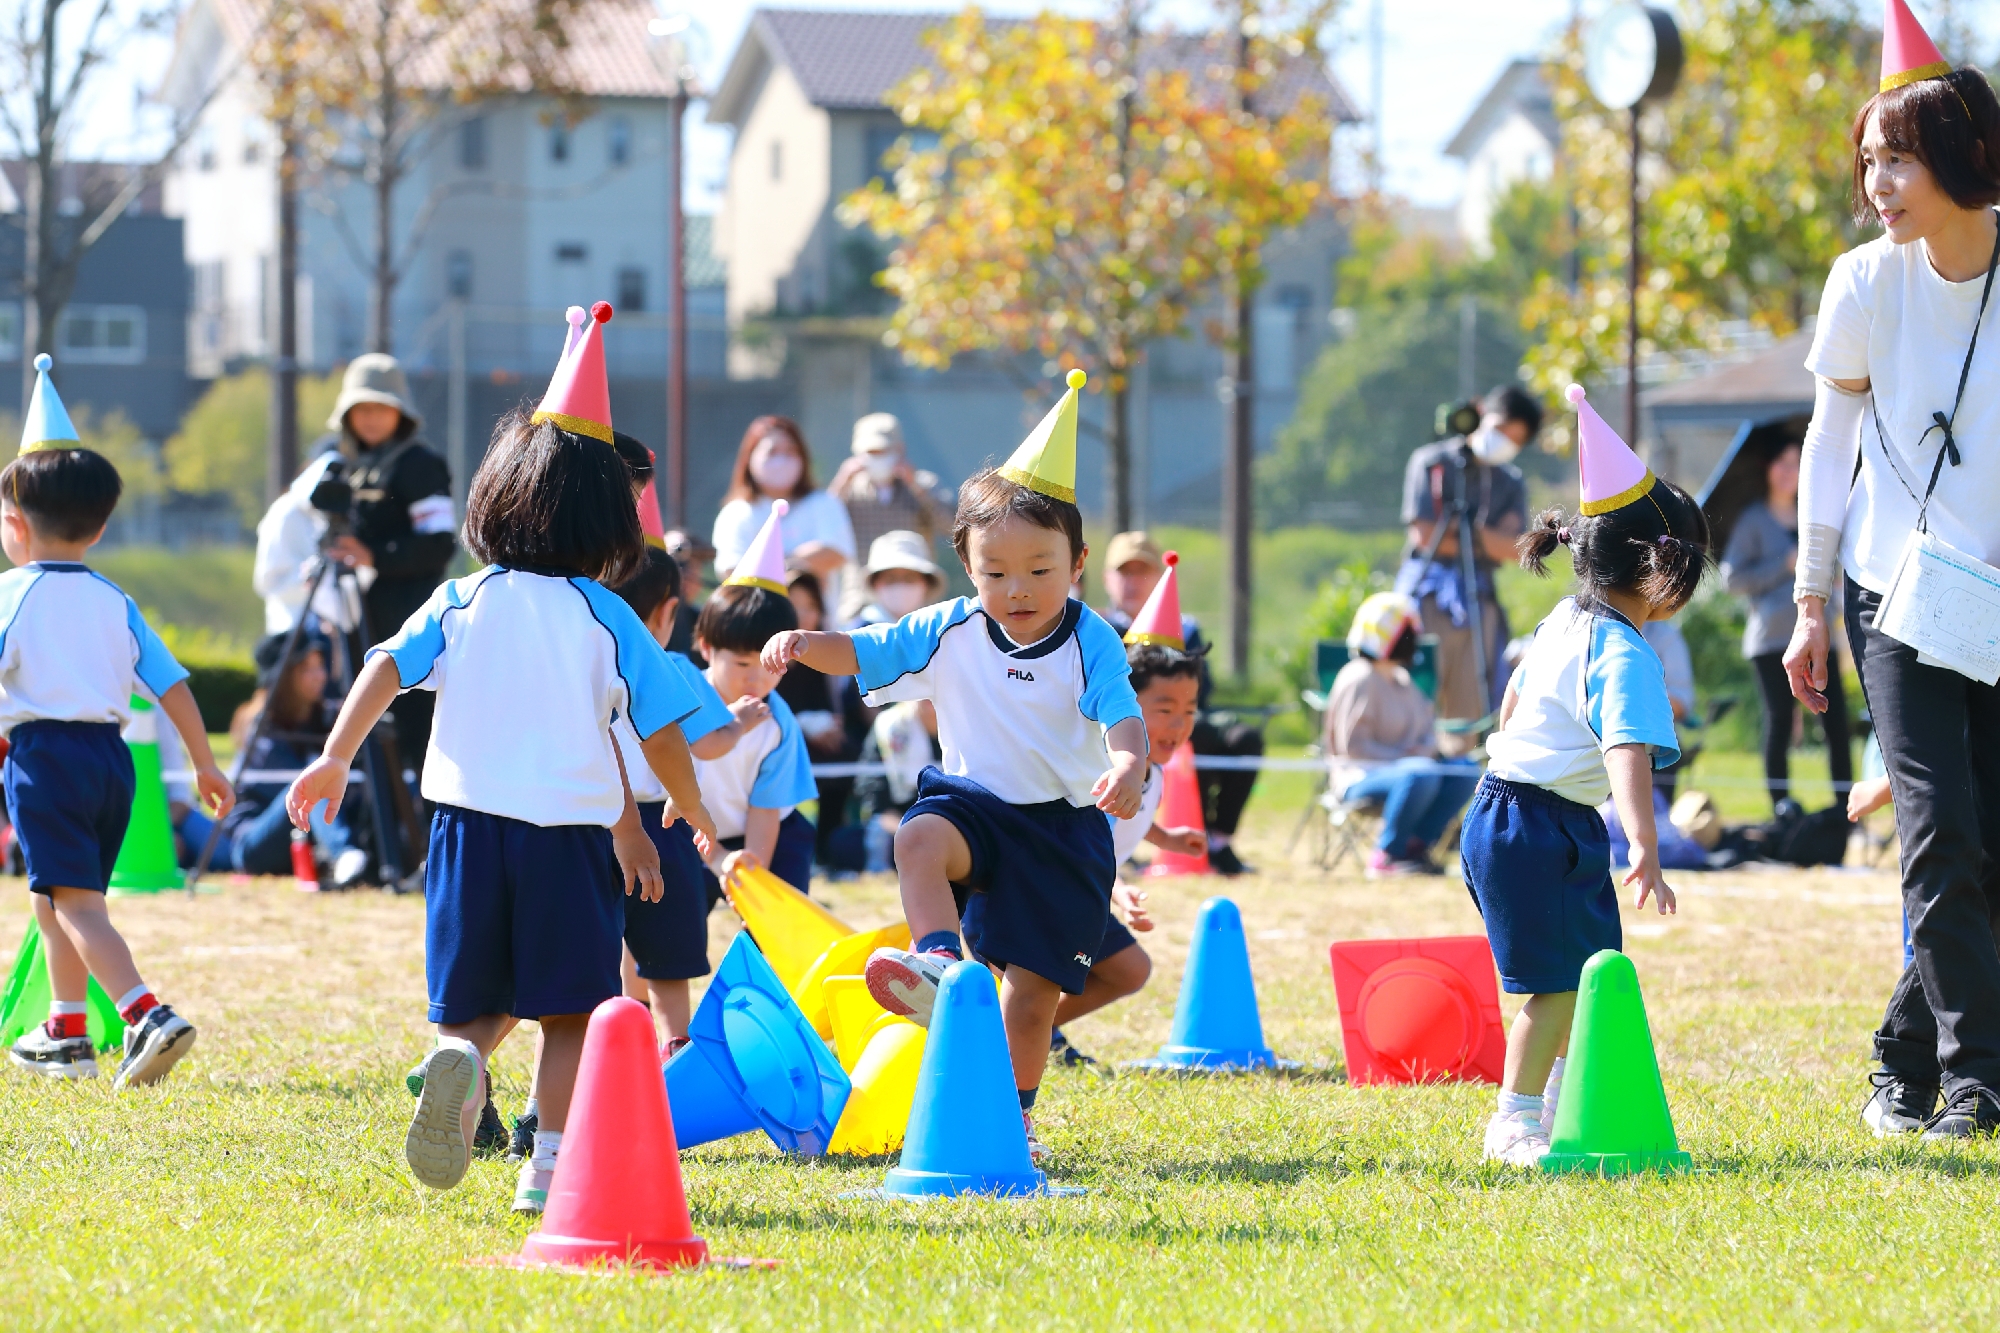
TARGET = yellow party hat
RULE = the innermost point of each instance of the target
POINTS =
(1046, 460)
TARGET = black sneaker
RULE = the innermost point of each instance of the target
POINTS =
(490, 1139)
(1972, 1112)
(522, 1146)
(1223, 860)
(1060, 1048)
(153, 1046)
(1899, 1106)
(54, 1057)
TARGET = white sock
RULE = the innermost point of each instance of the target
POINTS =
(1514, 1103)
(1551, 1093)
(547, 1143)
(533, 1108)
(64, 1008)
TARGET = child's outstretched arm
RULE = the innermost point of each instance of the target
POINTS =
(824, 651)
(1187, 841)
(668, 756)
(1120, 789)
(181, 710)
(1631, 771)
(325, 779)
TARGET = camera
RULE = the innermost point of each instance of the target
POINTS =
(1452, 419)
(333, 497)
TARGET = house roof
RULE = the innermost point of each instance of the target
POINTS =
(849, 61)
(1774, 382)
(82, 187)
(1522, 87)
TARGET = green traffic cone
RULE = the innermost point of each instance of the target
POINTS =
(146, 861)
(1613, 1117)
(25, 1002)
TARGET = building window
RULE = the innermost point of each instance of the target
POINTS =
(558, 142)
(881, 138)
(10, 331)
(631, 290)
(104, 334)
(777, 160)
(472, 144)
(204, 150)
(572, 252)
(619, 134)
(458, 275)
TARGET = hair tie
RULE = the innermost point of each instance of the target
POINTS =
(1562, 535)
(1666, 539)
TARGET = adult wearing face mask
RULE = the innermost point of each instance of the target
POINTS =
(902, 577)
(1497, 498)
(883, 494)
(772, 463)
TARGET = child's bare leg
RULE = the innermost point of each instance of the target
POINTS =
(635, 988)
(1123, 973)
(1028, 1009)
(930, 855)
(555, 1070)
(81, 942)
(672, 1006)
(486, 1032)
(1540, 1034)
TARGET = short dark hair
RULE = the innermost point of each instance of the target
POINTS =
(66, 494)
(1156, 661)
(1951, 124)
(656, 580)
(1657, 547)
(636, 455)
(1515, 403)
(987, 498)
(547, 499)
(808, 582)
(741, 618)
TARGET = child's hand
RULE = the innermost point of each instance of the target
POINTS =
(638, 860)
(749, 711)
(736, 861)
(1132, 901)
(1187, 841)
(216, 793)
(1865, 797)
(783, 649)
(698, 819)
(1645, 872)
(1119, 790)
(325, 779)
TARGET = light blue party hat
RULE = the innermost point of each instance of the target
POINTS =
(47, 425)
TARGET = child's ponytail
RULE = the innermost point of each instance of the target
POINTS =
(1671, 570)
(1539, 542)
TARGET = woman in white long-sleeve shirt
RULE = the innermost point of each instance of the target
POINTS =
(1898, 340)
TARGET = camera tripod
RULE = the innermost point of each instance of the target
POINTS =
(1458, 517)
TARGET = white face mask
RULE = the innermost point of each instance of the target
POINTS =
(880, 467)
(775, 469)
(901, 597)
(1491, 445)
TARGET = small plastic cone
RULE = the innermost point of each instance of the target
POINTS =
(789, 927)
(885, 1085)
(853, 1012)
(25, 1002)
(1216, 1024)
(965, 1134)
(146, 861)
(1419, 1010)
(617, 1196)
(1180, 807)
(1613, 1117)
(844, 957)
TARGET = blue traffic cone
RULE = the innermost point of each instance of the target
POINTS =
(1216, 1026)
(754, 1063)
(965, 1134)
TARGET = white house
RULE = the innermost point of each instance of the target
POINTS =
(1510, 135)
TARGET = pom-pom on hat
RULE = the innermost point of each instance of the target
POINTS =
(1609, 475)
(47, 425)
(1379, 621)
(1159, 621)
(1046, 460)
(1908, 53)
(763, 565)
(579, 396)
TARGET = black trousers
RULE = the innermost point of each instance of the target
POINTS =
(1779, 707)
(1225, 793)
(1940, 736)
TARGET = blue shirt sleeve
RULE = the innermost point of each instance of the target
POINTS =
(1625, 694)
(416, 647)
(1107, 697)
(656, 695)
(710, 713)
(784, 778)
(887, 653)
(155, 666)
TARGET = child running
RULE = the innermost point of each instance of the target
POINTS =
(534, 843)
(71, 647)
(1585, 717)
(1041, 737)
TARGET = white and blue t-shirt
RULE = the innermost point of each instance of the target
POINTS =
(709, 716)
(71, 646)
(1127, 834)
(530, 672)
(1024, 721)
(769, 767)
(1588, 682)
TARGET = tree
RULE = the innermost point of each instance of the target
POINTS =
(224, 439)
(1084, 191)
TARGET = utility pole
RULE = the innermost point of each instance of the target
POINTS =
(283, 454)
(1239, 402)
(677, 341)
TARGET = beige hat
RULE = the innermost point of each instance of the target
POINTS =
(876, 433)
(1127, 547)
(903, 549)
(374, 377)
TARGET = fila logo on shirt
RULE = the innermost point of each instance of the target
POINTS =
(1020, 673)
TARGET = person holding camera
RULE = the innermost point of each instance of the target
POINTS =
(1466, 483)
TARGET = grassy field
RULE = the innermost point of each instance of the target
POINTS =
(263, 1186)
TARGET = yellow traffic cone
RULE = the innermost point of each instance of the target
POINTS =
(146, 861)
(791, 930)
(884, 1086)
(844, 957)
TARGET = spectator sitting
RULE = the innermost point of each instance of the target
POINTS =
(883, 493)
(830, 715)
(1132, 568)
(695, 557)
(772, 463)
(902, 577)
(904, 741)
(1382, 742)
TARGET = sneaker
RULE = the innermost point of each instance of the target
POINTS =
(438, 1146)
(1223, 860)
(349, 867)
(1516, 1140)
(55, 1057)
(522, 1146)
(1971, 1112)
(531, 1187)
(1060, 1048)
(674, 1046)
(1381, 865)
(1036, 1152)
(906, 983)
(1898, 1106)
(414, 1080)
(490, 1138)
(153, 1046)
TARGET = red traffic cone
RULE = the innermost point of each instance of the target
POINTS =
(616, 1196)
(1180, 807)
(1419, 1010)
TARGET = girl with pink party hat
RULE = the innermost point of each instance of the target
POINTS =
(1586, 717)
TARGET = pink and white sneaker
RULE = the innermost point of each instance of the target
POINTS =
(439, 1144)
(905, 982)
(1036, 1152)
(1517, 1139)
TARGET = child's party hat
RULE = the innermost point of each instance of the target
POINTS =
(1609, 475)
(572, 329)
(1046, 460)
(1908, 53)
(579, 396)
(47, 425)
(763, 565)
(1159, 620)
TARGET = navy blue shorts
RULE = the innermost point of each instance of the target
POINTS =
(520, 919)
(791, 858)
(69, 795)
(1039, 895)
(1539, 868)
(1117, 939)
(669, 938)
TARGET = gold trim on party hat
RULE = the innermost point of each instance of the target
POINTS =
(1908, 53)
(1046, 461)
(763, 564)
(579, 396)
(1609, 475)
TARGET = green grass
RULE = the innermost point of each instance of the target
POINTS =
(263, 1188)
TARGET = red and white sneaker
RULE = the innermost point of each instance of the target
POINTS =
(905, 982)
(1036, 1152)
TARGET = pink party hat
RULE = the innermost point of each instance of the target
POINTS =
(1609, 475)
(763, 565)
(579, 396)
(1159, 620)
(1908, 53)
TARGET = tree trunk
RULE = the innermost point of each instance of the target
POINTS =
(38, 238)
(1239, 447)
(284, 447)
(388, 172)
(1118, 451)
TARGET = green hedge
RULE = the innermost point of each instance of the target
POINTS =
(220, 688)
